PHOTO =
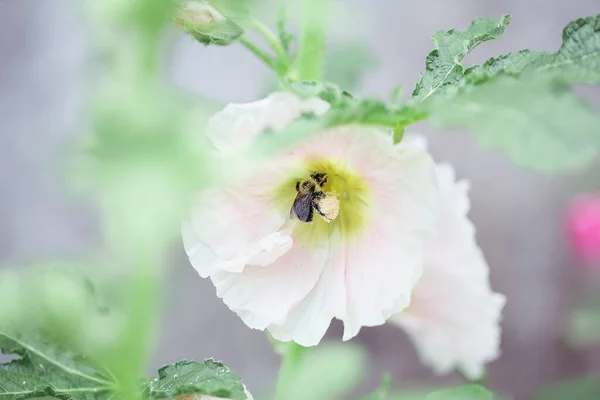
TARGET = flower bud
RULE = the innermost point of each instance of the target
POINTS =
(206, 24)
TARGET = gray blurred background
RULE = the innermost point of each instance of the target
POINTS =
(44, 54)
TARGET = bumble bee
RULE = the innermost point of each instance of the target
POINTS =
(311, 197)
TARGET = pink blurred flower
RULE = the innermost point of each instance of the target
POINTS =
(583, 227)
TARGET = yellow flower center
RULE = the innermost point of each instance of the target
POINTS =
(345, 205)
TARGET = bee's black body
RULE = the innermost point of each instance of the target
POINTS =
(307, 199)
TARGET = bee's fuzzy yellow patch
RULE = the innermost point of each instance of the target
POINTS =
(330, 207)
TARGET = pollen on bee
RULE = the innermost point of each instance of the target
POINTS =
(330, 207)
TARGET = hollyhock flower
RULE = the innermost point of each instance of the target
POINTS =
(583, 227)
(373, 206)
(454, 316)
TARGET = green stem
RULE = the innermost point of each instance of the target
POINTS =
(289, 363)
(142, 313)
(273, 41)
(267, 59)
(311, 49)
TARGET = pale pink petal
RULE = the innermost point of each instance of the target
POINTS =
(454, 316)
(236, 127)
(414, 139)
(361, 282)
(454, 245)
(269, 249)
(263, 296)
(238, 225)
(379, 277)
(385, 263)
(202, 258)
(453, 324)
(308, 321)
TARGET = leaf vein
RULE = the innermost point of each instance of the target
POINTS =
(57, 363)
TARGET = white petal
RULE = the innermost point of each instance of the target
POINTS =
(263, 296)
(265, 252)
(269, 249)
(414, 139)
(202, 258)
(454, 246)
(236, 127)
(454, 316)
(308, 321)
(386, 262)
(237, 225)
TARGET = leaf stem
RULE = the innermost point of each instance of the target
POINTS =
(311, 49)
(267, 59)
(273, 41)
(290, 358)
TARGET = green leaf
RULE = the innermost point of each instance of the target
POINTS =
(372, 112)
(382, 392)
(469, 392)
(443, 66)
(511, 64)
(186, 378)
(44, 369)
(346, 109)
(577, 60)
(577, 389)
(519, 102)
(538, 123)
(219, 22)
